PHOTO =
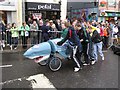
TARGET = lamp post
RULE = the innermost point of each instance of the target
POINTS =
(70, 12)
(60, 7)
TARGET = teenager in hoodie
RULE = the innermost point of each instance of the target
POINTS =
(73, 39)
(97, 44)
(84, 39)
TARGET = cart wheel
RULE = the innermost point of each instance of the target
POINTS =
(43, 63)
(55, 64)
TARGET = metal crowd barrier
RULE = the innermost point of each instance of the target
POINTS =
(34, 37)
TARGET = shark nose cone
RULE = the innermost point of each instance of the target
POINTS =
(25, 54)
(41, 49)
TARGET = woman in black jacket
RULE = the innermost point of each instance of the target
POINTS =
(84, 39)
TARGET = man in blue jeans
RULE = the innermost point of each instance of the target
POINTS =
(97, 44)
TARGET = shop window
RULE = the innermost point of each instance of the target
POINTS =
(4, 17)
(119, 4)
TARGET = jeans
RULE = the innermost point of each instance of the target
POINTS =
(85, 53)
(90, 51)
(34, 40)
(98, 49)
(14, 41)
(9, 38)
(24, 42)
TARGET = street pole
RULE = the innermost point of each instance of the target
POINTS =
(70, 12)
(60, 11)
(23, 10)
(60, 8)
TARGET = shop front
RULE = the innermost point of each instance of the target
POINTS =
(85, 14)
(8, 12)
(108, 16)
(42, 10)
(82, 10)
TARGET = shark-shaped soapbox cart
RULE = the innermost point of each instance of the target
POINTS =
(49, 53)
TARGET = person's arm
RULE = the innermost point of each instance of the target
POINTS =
(21, 28)
(64, 39)
(12, 30)
(27, 28)
(37, 27)
(86, 36)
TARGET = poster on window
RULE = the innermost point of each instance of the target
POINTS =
(37, 15)
(111, 3)
(2, 0)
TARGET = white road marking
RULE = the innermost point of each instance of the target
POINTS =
(40, 81)
(37, 81)
(11, 81)
(3, 66)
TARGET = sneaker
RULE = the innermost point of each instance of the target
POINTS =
(1, 48)
(3, 45)
(85, 64)
(103, 58)
(93, 62)
(8, 44)
(15, 48)
(11, 47)
(69, 57)
(76, 69)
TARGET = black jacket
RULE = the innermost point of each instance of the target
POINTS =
(96, 38)
(82, 33)
(73, 38)
(45, 33)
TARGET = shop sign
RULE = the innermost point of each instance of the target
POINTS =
(42, 6)
(117, 15)
(102, 13)
(103, 3)
(110, 14)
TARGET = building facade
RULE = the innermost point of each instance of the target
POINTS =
(82, 9)
(109, 10)
(45, 9)
(18, 11)
(8, 10)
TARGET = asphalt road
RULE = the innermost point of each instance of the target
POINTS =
(104, 74)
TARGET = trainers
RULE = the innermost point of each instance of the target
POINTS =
(11, 47)
(8, 44)
(15, 48)
(103, 58)
(85, 64)
(76, 69)
(3, 45)
(93, 62)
